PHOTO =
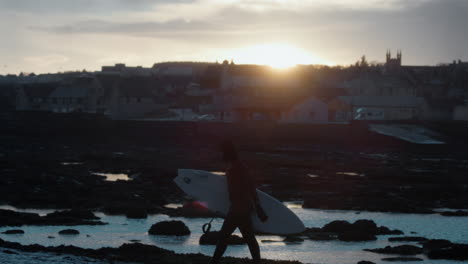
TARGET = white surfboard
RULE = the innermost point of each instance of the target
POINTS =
(211, 189)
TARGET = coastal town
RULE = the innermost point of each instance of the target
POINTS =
(230, 92)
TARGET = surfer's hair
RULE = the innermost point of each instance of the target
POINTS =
(228, 149)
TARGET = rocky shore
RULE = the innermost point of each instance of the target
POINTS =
(133, 252)
(51, 162)
(54, 162)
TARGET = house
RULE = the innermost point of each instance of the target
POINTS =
(310, 110)
(387, 107)
(125, 70)
(133, 98)
(35, 96)
(76, 95)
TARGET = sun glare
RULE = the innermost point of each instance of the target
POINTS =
(280, 56)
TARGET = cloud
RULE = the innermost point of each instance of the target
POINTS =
(156, 29)
(78, 6)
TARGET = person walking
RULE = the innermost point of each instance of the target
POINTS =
(244, 202)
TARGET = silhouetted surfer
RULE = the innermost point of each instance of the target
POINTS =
(244, 202)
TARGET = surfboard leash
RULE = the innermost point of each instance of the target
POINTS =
(207, 226)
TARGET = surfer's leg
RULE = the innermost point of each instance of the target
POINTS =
(228, 227)
(249, 237)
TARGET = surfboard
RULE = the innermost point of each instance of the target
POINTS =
(211, 189)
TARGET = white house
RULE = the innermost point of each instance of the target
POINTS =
(387, 107)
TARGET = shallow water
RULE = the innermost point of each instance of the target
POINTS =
(121, 230)
(44, 258)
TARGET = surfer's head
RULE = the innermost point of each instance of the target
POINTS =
(229, 151)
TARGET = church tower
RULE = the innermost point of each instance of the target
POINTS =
(393, 63)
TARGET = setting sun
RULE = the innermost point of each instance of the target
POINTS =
(276, 55)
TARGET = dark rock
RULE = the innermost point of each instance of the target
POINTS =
(51, 237)
(69, 232)
(338, 226)
(10, 252)
(407, 239)
(365, 262)
(211, 238)
(271, 241)
(356, 235)
(456, 213)
(361, 230)
(69, 218)
(402, 259)
(136, 213)
(383, 230)
(74, 213)
(365, 225)
(401, 250)
(169, 228)
(436, 244)
(293, 239)
(453, 252)
(13, 232)
(12, 218)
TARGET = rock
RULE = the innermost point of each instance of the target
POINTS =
(211, 238)
(436, 244)
(13, 232)
(407, 239)
(453, 252)
(293, 239)
(365, 225)
(69, 232)
(383, 230)
(169, 228)
(136, 213)
(271, 241)
(74, 213)
(400, 250)
(402, 259)
(69, 218)
(50, 237)
(361, 230)
(337, 226)
(365, 262)
(12, 218)
(356, 235)
(10, 252)
(456, 213)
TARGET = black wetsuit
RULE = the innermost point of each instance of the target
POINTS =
(243, 197)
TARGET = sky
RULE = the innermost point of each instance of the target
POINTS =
(60, 35)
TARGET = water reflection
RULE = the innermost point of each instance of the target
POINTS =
(121, 230)
(114, 176)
